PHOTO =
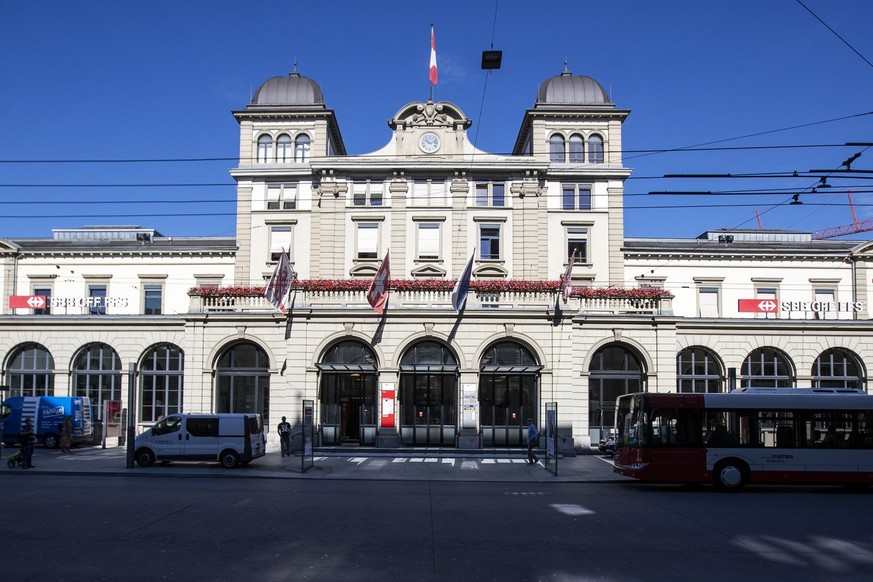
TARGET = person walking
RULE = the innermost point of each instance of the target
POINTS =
(66, 434)
(28, 438)
(533, 436)
(285, 436)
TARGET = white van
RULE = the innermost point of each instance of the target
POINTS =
(230, 439)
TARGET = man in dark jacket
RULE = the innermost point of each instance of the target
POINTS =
(28, 438)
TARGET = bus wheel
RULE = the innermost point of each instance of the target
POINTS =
(730, 476)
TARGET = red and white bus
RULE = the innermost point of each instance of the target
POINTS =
(776, 435)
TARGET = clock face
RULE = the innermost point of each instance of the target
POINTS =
(429, 142)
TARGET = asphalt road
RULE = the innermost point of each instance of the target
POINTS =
(59, 527)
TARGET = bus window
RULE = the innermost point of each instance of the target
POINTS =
(675, 427)
(720, 429)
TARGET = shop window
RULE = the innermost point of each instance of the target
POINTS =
(242, 378)
(161, 380)
(698, 371)
(766, 368)
(31, 372)
(97, 375)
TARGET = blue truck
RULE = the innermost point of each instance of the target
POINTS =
(48, 414)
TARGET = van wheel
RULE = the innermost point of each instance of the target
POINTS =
(730, 475)
(229, 459)
(145, 458)
(50, 441)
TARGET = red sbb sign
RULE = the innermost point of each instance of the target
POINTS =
(27, 301)
(758, 306)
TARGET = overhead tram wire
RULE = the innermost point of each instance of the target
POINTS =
(835, 33)
(645, 151)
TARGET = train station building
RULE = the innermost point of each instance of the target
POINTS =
(561, 307)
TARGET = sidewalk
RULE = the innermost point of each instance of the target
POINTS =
(336, 463)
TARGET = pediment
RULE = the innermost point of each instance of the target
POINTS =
(364, 270)
(490, 272)
(428, 271)
(430, 114)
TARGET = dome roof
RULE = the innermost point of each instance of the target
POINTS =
(569, 89)
(291, 90)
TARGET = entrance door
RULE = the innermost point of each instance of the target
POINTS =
(348, 408)
(427, 409)
(506, 402)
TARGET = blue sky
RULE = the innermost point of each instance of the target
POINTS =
(123, 80)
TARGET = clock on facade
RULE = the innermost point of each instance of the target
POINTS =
(429, 142)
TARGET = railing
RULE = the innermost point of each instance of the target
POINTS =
(503, 300)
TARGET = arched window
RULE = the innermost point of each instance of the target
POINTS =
(595, 149)
(162, 373)
(242, 379)
(766, 368)
(508, 394)
(428, 395)
(698, 370)
(31, 372)
(837, 368)
(556, 148)
(265, 149)
(97, 375)
(301, 148)
(577, 149)
(283, 149)
(614, 370)
(348, 394)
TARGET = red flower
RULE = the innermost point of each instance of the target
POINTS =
(443, 285)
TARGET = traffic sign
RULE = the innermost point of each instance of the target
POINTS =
(758, 306)
(27, 301)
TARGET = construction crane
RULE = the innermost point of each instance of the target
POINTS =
(855, 227)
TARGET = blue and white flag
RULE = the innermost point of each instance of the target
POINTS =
(459, 293)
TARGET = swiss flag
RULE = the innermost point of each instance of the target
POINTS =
(377, 294)
(433, 67)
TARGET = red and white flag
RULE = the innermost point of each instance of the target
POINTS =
(566, 287)
(377, 294)
(433, 66)
(280, 283)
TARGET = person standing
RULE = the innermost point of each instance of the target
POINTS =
(66, 434)
(533, 436)
(285, 437)
(28, 438)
